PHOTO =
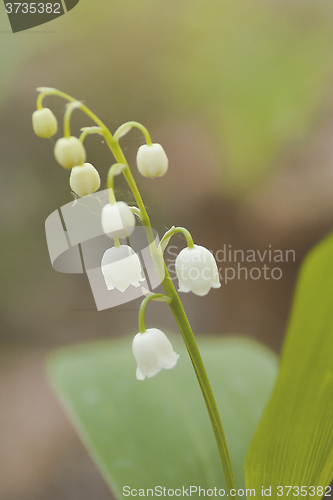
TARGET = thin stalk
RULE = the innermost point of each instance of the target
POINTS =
(126, 127)
(68, 115)
(88, 131)
(177, 309)
(142, 310)
(115, 169)
(136, 211)
(83, 107)
(174, 230)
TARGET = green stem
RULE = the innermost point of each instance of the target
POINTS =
(68, 114)
(120, 157)
(136, 211)
(122, 130)
(88, 131)
(142, 310)
(199, 368)
(115, 169)
(67, 125)
(49, 91)
(39, 103)
(171, 232)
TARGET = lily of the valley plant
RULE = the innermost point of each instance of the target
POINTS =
(195, 266)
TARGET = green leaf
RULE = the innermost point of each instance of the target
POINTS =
(157, 432)
(294, 441)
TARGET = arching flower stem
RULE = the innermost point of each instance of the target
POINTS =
(89, 131)
(136, 211)
(68, 114)
(142, 310)
(174, 230)
(45, 91)
(115, 169)
(125, 127)
(111, 142)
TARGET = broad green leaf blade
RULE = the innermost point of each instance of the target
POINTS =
(157, 432)
(294, 441)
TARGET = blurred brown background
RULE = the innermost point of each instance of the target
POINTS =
(240, 94)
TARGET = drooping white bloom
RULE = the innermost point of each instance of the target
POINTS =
(69, 152)
(44, 123)
(196, 270)
(121, 268)
(84, 179)
(151, 160)
(118, 220)
(152, 351)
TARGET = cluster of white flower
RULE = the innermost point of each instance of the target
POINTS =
(195, 266)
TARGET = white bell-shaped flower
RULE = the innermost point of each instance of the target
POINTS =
(69, 152)
(44, 123)
(152, 351)
(196, 270)
(151, 160)
(118, 220)
(121, 268)
(84, 179)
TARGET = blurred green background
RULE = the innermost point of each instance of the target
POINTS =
(240, 94)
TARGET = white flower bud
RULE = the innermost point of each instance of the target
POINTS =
(152, 160)
(121, 268)
(44, 123)
(118, 220)
(84, 179)
(69, 152)
(152, 351)
(197, 270)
